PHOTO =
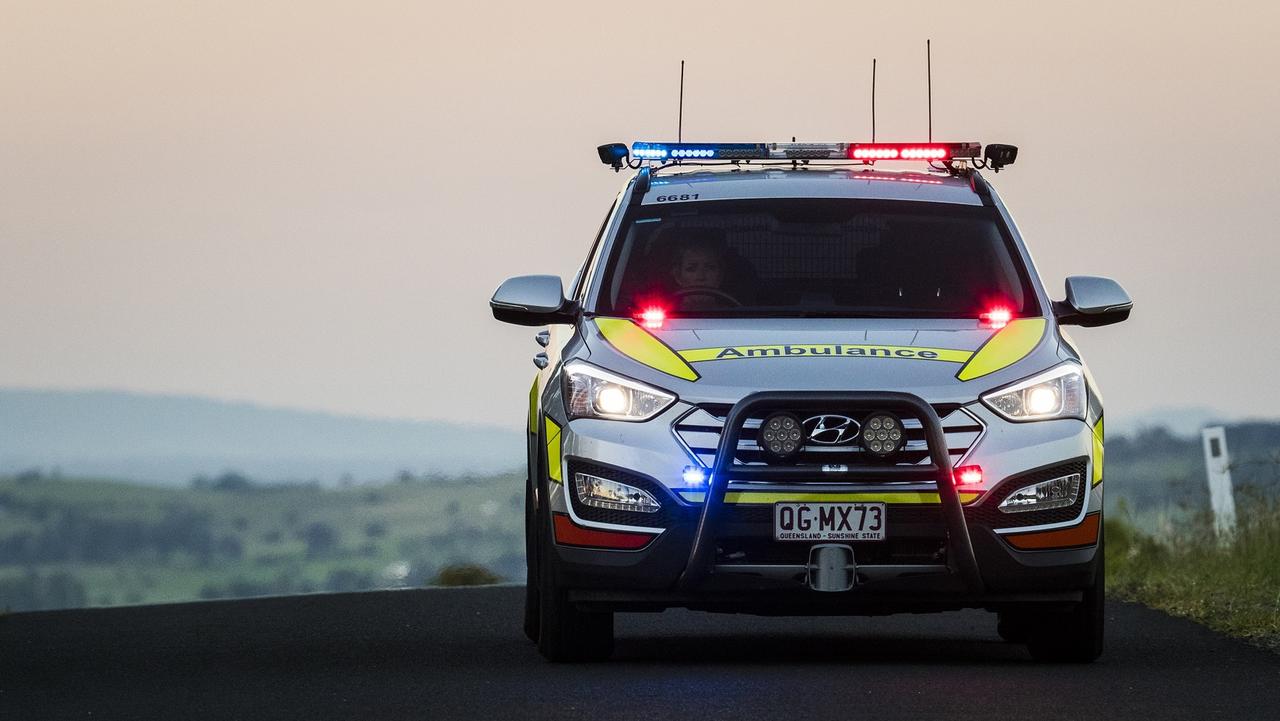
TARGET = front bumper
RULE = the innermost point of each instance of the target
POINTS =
(688, 563)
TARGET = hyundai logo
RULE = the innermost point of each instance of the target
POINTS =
(831, 430)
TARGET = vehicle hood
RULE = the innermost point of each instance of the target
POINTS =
(734, 357)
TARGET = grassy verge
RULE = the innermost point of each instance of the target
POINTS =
(1232, 588)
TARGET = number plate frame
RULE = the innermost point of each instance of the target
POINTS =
(829, 521)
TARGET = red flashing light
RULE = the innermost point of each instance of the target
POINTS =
(897, 151)
(996, 318)
(653, 317)
(968, 475)
(570, 534)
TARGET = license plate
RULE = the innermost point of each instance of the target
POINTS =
(828, 521)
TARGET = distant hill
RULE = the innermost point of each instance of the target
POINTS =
(1178, 420)
(1154, 468)
(171, 439)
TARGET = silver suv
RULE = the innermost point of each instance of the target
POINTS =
(789, 381)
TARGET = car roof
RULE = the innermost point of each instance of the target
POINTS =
(743, 183)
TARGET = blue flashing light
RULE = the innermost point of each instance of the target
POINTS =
(649, 151)
(694, 475)
(698, 151)
(693, 153)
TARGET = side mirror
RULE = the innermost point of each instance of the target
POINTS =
(532, 300)
(1092, 301)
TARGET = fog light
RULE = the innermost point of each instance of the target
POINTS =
(781, 436)
(882, 435)
(1053, 493)
(604, 493)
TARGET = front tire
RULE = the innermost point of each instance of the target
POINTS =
(1076, 636)
(530, 565)
(565, 632)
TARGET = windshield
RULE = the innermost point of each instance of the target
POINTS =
(802, 257)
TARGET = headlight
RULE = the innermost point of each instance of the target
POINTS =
(591, 392)
(1057, 393)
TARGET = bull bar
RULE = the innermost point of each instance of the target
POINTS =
(961, 560)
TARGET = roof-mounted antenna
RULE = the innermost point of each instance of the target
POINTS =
(680, 116)
(873, 100)
(928, 74)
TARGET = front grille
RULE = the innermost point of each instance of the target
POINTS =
(987, 511)
(671, 512)
(700, 429)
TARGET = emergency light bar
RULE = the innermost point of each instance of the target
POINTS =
(804, 151)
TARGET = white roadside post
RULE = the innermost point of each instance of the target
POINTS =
(1221, 496)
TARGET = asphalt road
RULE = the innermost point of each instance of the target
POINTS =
(459, 653)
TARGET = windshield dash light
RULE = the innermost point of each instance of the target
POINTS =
(996, 318)
(653, 317)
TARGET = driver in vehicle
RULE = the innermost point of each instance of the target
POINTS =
(698, 266)
(699, 262)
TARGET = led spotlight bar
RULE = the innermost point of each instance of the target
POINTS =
(804, 151)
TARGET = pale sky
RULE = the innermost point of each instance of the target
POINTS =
(309, 204)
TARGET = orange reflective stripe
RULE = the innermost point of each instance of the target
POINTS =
(1085, 534)
(570, 534)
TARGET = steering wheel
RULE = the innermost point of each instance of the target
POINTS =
(713, 292)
